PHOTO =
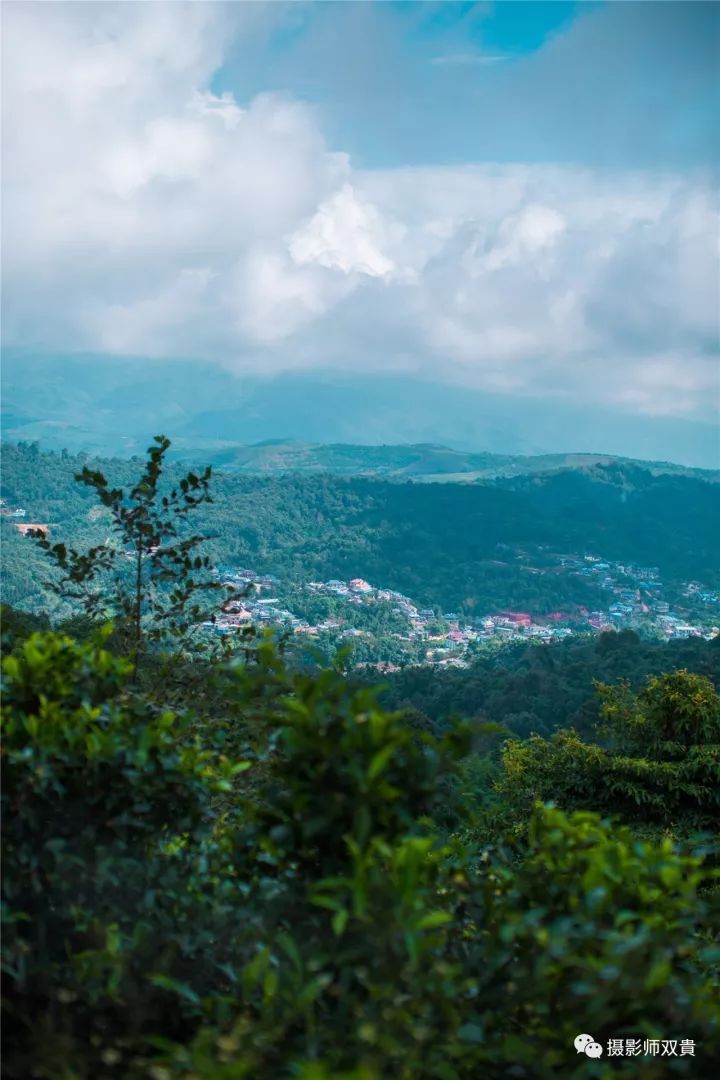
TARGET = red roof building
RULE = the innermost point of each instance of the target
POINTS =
(520, 618)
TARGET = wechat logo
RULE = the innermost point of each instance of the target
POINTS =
(585, 1044)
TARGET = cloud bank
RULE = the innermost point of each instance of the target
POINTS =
(145, 214)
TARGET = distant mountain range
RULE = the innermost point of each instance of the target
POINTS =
(423, 461)
(111, 406)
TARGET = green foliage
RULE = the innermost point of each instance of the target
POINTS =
(18, 625)
(106, 800)
(595, 931)
(268, 895)
(662, 767)
(669, 718)
(154, 597)
(352, 894)
(533, 689)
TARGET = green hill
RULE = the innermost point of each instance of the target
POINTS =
(421, 461)
(466, 546)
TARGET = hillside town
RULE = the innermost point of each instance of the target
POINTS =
(387, 629)
(637, 599)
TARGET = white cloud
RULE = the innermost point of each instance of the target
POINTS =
(273, 299)
(465, 59)
(146, 214)
(346, 234)
(157, 322)
(527, 235)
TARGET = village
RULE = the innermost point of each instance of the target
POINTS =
(636, 600)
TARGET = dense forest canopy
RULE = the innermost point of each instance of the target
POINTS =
(469, 547)
(530, 689)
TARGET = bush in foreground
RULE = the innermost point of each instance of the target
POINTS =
(291, 910)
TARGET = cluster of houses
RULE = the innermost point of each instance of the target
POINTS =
(636, 595)
(639, 599)
(443, 632)
(248, 602)
(446, 638)
(17, 514)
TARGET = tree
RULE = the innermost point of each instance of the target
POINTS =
(156, 595)
(659, 769)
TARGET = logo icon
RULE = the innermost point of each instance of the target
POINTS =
(585, 1044)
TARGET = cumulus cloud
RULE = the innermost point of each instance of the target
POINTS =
(346, 234)
(146, 214)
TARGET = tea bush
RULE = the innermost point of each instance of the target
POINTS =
(267, 895)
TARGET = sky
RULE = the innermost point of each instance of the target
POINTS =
(517, 197)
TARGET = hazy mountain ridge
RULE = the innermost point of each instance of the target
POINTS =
(426, 462)
(110, 406)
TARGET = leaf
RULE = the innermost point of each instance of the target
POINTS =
(327, 902)
(339, 922)
(287, 944)
(434, 919)
(175, 987)
(380, 760)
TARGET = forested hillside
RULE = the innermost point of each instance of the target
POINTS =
(530, 689)
(218, 864)
(466, 546)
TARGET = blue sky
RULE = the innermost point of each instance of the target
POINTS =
(620, 84)
(514, 197)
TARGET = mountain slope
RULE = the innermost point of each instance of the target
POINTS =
(107, 405)
(476, 546)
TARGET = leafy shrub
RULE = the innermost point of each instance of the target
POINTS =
(173, 912)
(661, 768)
(105, 808)
(593, 930)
